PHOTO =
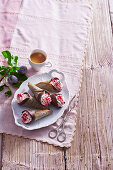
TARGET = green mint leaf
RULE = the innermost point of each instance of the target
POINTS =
(2, 67)
(1, 88)
(17, 85)
(14, 69)
(12, 60)
(21, 77)
(8, 93)
(3, 70)
(6, 54)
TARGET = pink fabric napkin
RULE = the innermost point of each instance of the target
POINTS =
(61, 30)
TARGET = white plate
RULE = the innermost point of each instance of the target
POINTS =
(48, 120)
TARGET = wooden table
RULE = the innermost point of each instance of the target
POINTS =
(92, 147)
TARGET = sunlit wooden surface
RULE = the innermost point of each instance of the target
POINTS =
(92, 147)
(111, 12)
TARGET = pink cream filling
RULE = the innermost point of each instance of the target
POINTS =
(26, 117)
(45, 99)
(60, 100)
(21, 97)
(57, 84)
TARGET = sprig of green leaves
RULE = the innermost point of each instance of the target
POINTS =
(12, 60)
(11, 69)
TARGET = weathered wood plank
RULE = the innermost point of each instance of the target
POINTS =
(92, 145)
(1, 139)
(29, 154)
(111, 11)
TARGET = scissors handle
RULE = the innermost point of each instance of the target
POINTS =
(61, 137)
(53, 133)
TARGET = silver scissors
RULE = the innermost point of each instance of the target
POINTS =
(59, 131)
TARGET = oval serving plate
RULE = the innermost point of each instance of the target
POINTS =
(48, 120)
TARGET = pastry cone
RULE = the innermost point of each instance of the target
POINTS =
(33, 103)
(30, 115)
(54, 85)
(46, 86)
(57, 100)
(42, 96)
(25, 99)
(36, 90)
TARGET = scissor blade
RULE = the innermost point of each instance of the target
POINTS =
(72, 103)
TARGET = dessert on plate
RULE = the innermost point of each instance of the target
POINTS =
(42, 96)
(32, 115)
(57, 100)
(25, 99)
(54, 85)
